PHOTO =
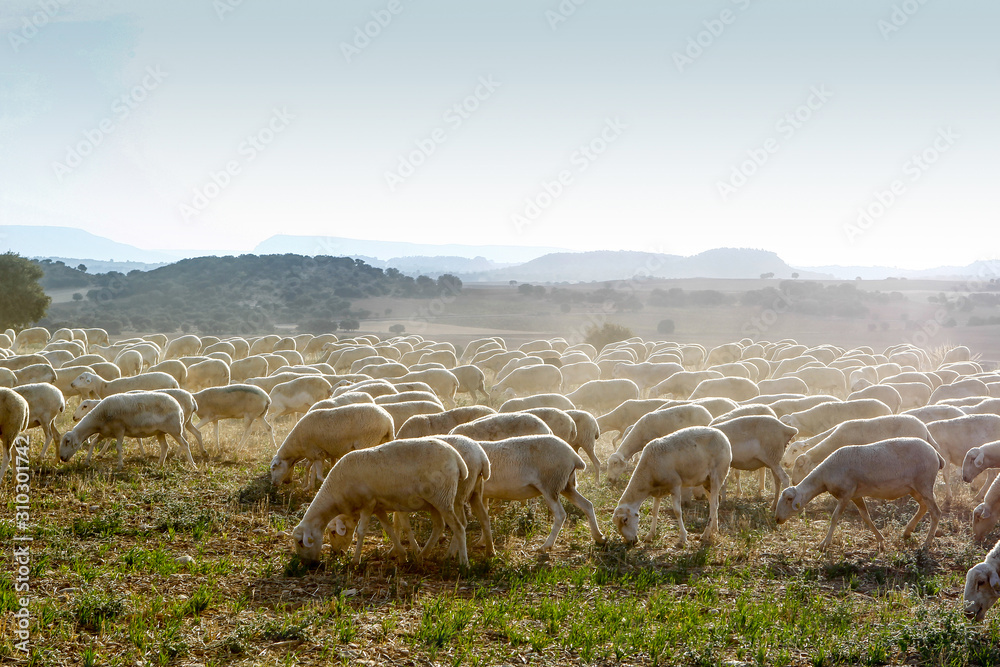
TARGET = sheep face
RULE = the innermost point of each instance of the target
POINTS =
(626, 520)
(788, 504)
(281, 471)
(800, 469)
(982, 588)
(616, 467)
(84, 383)
(973, 464)
(68, 446)
(983, 521)
(84, 407)
(308, 542)
(340, 532)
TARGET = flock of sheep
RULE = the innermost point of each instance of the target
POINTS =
(853, 423)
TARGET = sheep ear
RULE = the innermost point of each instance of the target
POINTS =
(307, 540)
(796, 504)
(995, 581)
(985, 512)
(339, 526)
(980, 458)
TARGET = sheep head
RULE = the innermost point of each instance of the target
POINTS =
(789, 503)
(616, 466)
(626, 520)
(281, 471)
(982, 588)
(68, 446)
(308, 541)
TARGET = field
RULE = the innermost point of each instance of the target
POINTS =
(108, 587)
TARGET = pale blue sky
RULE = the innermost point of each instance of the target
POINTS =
(337, 127)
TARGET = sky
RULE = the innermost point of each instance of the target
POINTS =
(852, 132)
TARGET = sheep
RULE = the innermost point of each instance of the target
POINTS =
(986, 514)
(716, 405)
(205, 374)
(734, 388)
(502, 426)
(445, 357)
(14, 415)
(34, 374)
(887, 469)
(149, 354)
(529, 466)
(470, 489)
(221, 346)
(561, 424)
(182, 346)
(328, 435)
(955, 437)
(651, 426)
(933, 413)
(536, 379)
(107, 371)
(402, 411)
(979, 459)
(587, 432)
(744, 411)
(982, 585)
(270, 382)
(295, 396)
(22, 361)
(235, 401)
(45, 404)
(347, 398)
(784, 385)
(471, 381)
(402, 475)
(406, 396)
(859, 432)
(96, 336)
(57, 358)
(135, 415)
(989, 406)
(646, 374)
(789, 404)
(694, 456)
(723, 354)
(248, 367)
(419, 426)
(7, 378)
(960, 389)
(374, 388)
(824, 380)
(601, 396)
(536, 401)
(827, 415)
(443, 382)
(90, 384)
(171, 367)
(34, 336)
(627, 414)
(913, 394)
(735, 369)
(759, 442)
(881, 392)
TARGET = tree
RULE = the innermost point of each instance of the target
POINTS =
(350, 325)
(665, 327)
(765, 276)
(82, 268)
(397, 329)
(795, 275)
(604, 335)
(22, 299)
(77, 296)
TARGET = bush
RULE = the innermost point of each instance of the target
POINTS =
(607, 334)
(665, 327)
(397, 329)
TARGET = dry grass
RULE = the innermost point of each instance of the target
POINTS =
(108, 588)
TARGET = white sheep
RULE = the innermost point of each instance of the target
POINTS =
(297, 396)
(759, 442)
(559, 421)
(694, 456)
(651, 426)
(401, 412)
(243, 369)
(45, 404)
(405, 396)
(783, 385)
(933, 413)
(536, 401)
(733, 388)
(646, 375)
(235, 401)
(982, 585)
(601, 396)
(502, 426)
(988, 406)
(419, 426)
(529, 466)
(34, 374)
(980, 458)
(133, 415)
(401, 475)
(328, 435)
(14, 415)
(205, 374)
(528, 380)
(182, 346)
(471, 381)
(347, 398)
(823, 380)
(960, 389)
(955, 437)
(587, 432)
(887, 469)
(986, 514)
(90, 384)
(576, 373)
(881, 392)
(827, 415)
(627, 414)
(441, 381)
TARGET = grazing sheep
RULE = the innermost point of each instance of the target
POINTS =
(406, 396)
(982, 585)
(827, 415)
(14, 415)
(784, 385)
(171, 367)
(502, 426)
(529, 466)
(401, 412)
(587, 432)
(536, 401)
(986, 514)
(34, 336)
(134, 415)
(34, 374)
(374, 388)
(45, 404)
(22, 361)
(90, 384)
(960, 389)
(441, 381)
(243, 369)
(420, 475)
(933, 413)
(8, 379)
(652, 426)
(955, 437)
(627, 414)
(348, 398)
(823, 380)
(536, 379)
(979, 459)
(182, 346)
(881, 392)
(235, 401)
(734, 388)
(694, 456)
(577, 373)
(744, 411)
(328, 435)
(297, 396)
(205, 374)
(758, 442)
(562, 425)
(989, 406)
(859, 432)
(420, 426)
(601, 396)
(887, 469)
(646, 375)
(912, 394)
(471, 381)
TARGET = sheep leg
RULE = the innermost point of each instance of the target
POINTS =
(651, 535)
(197, 434)
(917, 516)
(683, 539)
(592, 455)
(402, 521)
(577, 499)
(866, 517)
(457, 526)
(947, 483)
(935, 512)
(780, 478)
(164, 448)
(761, 481)
(218, 442)
(715, 486)
(383, 519)
(480, 504)
(981, 495)
(6, 459)
(118, 446)
(270, 431)
(841, 504)
(437, 527)
(558, 517)
(184, 446)
(93, 443)
(247, 425)
(359, 532)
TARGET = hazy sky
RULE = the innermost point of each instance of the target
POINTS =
(675, 126)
